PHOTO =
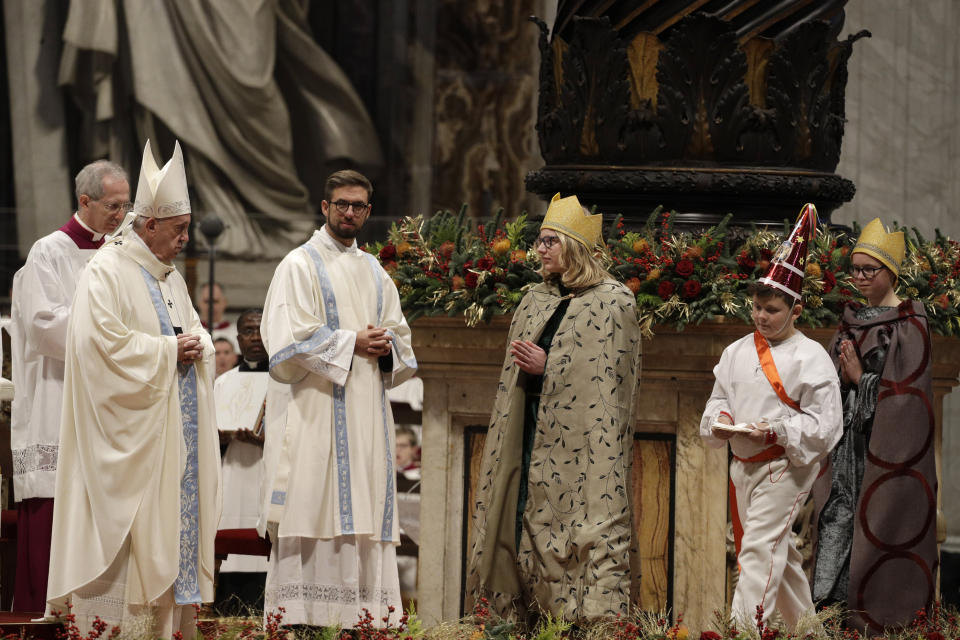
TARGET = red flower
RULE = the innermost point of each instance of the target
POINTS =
(665, 289)
(829, 281)
(486, 263)
(388, 252)
(684, 268)
(935, 635)
(745, 261)
(766, 254)
(470, 279)
(691, 289)
(710, 635)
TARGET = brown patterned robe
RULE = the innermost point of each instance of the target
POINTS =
(876, 504)
(574, 554)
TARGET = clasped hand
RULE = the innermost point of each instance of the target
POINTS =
(373, 342)
(529, 357)
(850, 366)
(189, 348)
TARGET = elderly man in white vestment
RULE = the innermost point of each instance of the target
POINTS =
(42, 295)
(137, 491)
(335, 332)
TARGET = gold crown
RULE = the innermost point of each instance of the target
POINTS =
(567, 216)
(875, 242)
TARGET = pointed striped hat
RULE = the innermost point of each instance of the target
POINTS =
(788, 264)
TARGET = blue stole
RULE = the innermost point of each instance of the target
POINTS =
(341, 441)
(186, 588)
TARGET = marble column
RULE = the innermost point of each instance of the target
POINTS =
(41, 175)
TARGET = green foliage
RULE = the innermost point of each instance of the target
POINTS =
(443, 266)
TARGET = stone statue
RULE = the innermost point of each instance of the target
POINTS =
(260, 108)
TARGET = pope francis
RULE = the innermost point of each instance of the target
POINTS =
(137, 491)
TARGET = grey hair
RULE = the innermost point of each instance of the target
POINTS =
(139, 223)
(90, 179)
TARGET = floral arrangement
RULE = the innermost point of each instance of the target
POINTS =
(442, 265)
(937, 623)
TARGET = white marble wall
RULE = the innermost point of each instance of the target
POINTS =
(902, 146)
(902, 143)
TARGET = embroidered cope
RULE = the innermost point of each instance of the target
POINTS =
(554, 531)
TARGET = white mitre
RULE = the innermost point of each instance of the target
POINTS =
(162, 193)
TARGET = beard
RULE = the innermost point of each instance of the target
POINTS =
(344, 232)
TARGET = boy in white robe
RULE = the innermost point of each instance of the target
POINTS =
(776, 400)
(335, 332)
(42, 294)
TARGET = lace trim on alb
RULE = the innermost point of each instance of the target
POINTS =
(35, 457)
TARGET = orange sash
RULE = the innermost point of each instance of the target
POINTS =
(770, 453)
(770, 370)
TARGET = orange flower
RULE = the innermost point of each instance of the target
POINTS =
(813, 270)
(446, 249)
(693, 252)
(633, 284)
(500, 246)
(403, 248)
(763, 264)
(641, 245)
(457, 283)
(653, 275)
(679, 632)
(942, 301)
(518, 255)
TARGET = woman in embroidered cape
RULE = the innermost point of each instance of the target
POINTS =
(551, 526)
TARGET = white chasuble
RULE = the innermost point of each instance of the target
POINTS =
(330, 470)
(137, 490)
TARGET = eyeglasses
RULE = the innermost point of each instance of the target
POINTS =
(546, 241)
(113, 207)
(358, 207)
(249, 332)
(868, 273)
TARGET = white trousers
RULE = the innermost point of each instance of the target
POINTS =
(769, 495)
(328, 583)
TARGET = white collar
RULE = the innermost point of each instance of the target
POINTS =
(333, 243)
(96, 236)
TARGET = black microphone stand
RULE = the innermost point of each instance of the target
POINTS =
(211, 227)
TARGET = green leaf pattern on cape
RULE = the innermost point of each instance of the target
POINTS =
(574, 556)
